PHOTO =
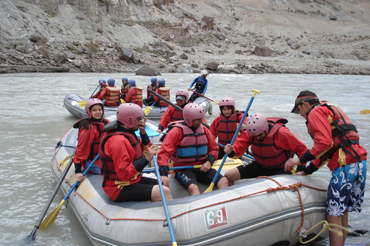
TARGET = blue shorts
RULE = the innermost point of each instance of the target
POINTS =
(94, 168)
(346, 189)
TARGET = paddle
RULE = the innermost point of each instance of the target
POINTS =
(203, 96)
(32, 235)
(249, 156)
(210, 188)
(365, 111)
(147, 109)
(172, 104)
(53, 215)
(94, 91)
(164, 201)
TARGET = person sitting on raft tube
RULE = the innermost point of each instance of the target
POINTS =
(110, 94)
(336, 142)
(173, 114)
(225, 125)
(200, 84)
(124, 88)
(123, 156)
(272, 145)
(102, 84)
(89, 136)
(149, 96)
(135, 94)
(164, 91)
(190, 143)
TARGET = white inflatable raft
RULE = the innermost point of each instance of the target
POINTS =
(76, 106)
(261, 211)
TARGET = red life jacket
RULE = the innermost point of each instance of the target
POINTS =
(137, 97)
(164, 92)
(193, 145)
(94, 150)
(226, 128)
(107, 168)
(112, 96)
(177, 115)
(266, 153)
(344, 132)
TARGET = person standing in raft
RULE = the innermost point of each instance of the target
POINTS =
(336, 142)
(102, 84)
(272, 145)
(200, 83)
(164, 91)
(124, 156)
(135, 94)
(190, 143)
(89, 136)
(225, 125)
(110, 94)
(124, 88)
(149, 96)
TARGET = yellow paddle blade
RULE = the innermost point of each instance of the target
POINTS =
(365, 111)
(228, 165)
(52, 216)
(122, 101)
(210, 188)
(82, 104)
(147, 110)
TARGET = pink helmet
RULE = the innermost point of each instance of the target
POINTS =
(184, 93)
(256, 124)
(91, 103)
(127, 112)
(192, 111)
(227, 101)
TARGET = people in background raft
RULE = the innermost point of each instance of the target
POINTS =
(135, 94)
(200, 85)
(102, 84)
(149, 96)
(124, 156)
(124, 88)
(225, 125)
(190, 143)
(272, 144)
(110, 94)
(89, 136)
(335, 142)
(173, 114)
(164, 91)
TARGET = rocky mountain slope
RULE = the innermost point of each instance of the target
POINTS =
(228, 36)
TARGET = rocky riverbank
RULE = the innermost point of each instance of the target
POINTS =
(160, 36)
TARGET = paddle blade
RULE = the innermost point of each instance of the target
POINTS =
(147, 110)
(365, 111)
(52, 216)
(82, 103)
(122, 101)
(210, 188)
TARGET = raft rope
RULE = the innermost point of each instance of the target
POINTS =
(325, 226)
(58, 147)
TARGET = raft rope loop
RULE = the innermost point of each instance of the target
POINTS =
(325, 226)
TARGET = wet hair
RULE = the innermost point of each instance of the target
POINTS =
(312, 101)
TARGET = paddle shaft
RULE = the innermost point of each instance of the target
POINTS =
(51, 198)
(172, 104)
(94, 91)
(249, 156)
(235, 135)
(164, 201)
(174, 168)
(203, 96)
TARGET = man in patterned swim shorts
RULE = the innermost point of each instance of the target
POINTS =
(336, 142)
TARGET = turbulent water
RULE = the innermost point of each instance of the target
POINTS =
(33, 119)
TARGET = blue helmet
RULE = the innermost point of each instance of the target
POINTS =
(132, 82)
(111, 82)
(161, 82)
(153, 80)
(102, 81)
(124, 79)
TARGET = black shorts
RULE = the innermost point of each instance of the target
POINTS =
(186, 177)
(141, 191)
(253, 170)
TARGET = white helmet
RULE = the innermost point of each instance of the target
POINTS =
(203, 72)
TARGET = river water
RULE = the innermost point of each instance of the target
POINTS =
(33, 119)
